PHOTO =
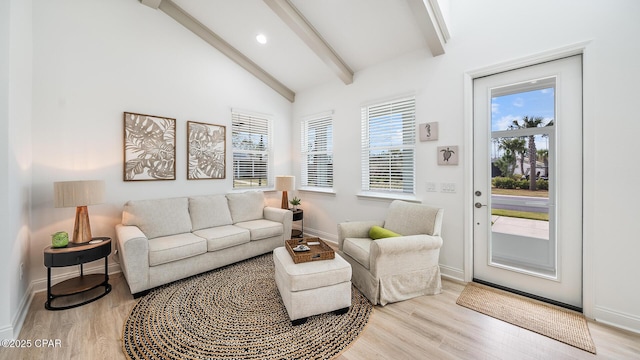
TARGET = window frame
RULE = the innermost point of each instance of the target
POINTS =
(257, 121)
(405, 107)
(323, 120)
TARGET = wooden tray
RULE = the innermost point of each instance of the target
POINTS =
(317, 252)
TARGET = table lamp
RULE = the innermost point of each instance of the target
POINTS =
(79, 194)
(285, 183)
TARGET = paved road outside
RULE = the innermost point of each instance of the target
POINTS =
(520, 203)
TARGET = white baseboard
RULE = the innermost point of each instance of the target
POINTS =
(452, 273)
(21, 314)
(309, 232)
(617, 319)
(6, 332)
(36, 286)
(13, 330)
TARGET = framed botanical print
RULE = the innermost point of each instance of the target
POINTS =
(149, 147)
(206, 155)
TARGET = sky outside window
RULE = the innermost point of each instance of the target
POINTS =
(537, 103)
(505, 109)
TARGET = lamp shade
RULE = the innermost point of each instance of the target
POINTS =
(78, 193)
(285, 182)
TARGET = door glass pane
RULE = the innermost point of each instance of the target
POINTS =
(522, 236)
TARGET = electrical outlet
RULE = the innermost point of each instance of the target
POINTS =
(448, 188)
(431, 187)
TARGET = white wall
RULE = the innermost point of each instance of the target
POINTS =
(407, 75)
(487, 33)
(95, 59)
(5, 308)
(15, 127)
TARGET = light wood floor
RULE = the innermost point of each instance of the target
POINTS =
(428, 327)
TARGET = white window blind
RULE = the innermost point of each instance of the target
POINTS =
(251, 136)
(317, 151)
(388, 146)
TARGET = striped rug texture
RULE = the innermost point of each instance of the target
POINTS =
(554, 322)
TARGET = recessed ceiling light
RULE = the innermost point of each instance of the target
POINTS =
(261, 38)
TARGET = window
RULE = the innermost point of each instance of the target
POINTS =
(251, 135)
(317, 151)
(388, 146)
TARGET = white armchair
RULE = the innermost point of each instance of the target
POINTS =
(395, 268)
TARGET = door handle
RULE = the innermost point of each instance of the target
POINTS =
(478, 205)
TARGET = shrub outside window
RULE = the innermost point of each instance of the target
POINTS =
(251, 139)
(317, 151)
(388, 146)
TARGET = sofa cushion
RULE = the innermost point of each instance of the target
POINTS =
(358, 249)
(158, 217)
(222, 237)
(246, 206)
(262, 229)
(209, 211)
(166, 249)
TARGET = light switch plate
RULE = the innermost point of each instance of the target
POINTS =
(448, 187)
(431, 187)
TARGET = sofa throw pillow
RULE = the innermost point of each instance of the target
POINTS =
(156, 218)
(246, 206)
(209, 211)
(377, 232)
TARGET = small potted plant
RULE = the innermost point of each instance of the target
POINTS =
(60, 239)
(295, 202)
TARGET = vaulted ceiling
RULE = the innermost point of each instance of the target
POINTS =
(311, 42)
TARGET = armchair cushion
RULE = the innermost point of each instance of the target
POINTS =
(358, 249)
(378, 232)
(413, 219)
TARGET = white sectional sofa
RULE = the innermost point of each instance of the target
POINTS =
(163, 240)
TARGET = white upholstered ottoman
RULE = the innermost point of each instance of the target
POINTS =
(314, 287)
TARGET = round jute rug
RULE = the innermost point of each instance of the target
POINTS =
(235, 313)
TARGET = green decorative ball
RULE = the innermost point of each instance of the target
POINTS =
(60, 239)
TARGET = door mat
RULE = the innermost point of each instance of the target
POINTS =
(551, 321)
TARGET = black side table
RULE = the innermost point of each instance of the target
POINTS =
(298, 215)
(77, 254)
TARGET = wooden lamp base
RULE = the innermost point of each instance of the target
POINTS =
(82, 228)
(285, 200)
